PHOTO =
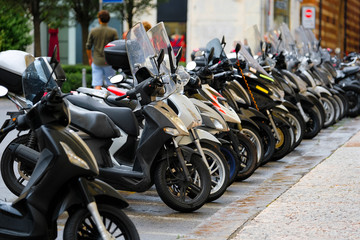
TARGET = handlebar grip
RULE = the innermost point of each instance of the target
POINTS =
(28, 155)
(120, 97)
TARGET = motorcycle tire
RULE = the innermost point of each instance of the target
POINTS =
(341, 104)
(345, 104)
(284, 144)
(232, 160)
(219, 170)
(176, 191)
(354, 103)
(320, 110)
(80, 224)
(247, 157)
(254, 136)
(268, 140)
(329, 111)
(298, 124)
(313, 126)
(15, 174)
(337, 108)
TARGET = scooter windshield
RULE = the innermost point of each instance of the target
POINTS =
(253, 38)
(141, 54)
(160, 40)
(219, 53)
(287, 39)
(36, 79)
(252, 63)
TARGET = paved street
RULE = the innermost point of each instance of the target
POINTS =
(324, 204)
(277, 202)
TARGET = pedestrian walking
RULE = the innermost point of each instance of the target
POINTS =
(97, 39)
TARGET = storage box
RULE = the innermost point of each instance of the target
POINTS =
(12, 66)
(116, 55)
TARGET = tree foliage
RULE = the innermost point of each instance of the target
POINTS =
(39, 11)
(133, 8)
(14, 28)
(85, 12)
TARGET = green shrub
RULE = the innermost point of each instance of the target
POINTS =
(74, 77)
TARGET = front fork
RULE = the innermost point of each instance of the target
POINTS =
(196, 140)
(277, 135)
(92, 207)
(181, 159)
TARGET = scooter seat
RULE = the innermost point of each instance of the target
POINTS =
(96, 124)
(123, 117)
(351, 70)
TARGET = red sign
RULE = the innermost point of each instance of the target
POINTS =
(308, 13)
(308, 17)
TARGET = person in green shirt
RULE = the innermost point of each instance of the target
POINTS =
(97, 39)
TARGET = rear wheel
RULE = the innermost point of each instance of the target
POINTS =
(354, 103)
(178, 192)
(313, 125)
(298, 124)
(81, 225)
(15, 173)
(329, 111)
(254, 136)
(232, 160)
(284, 143)
(247, 155)
(219, 170)
(268, 140)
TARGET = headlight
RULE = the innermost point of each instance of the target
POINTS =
(73, 158)
(171, 131)
(217, 124)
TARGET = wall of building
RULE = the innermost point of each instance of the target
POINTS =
(333, 23)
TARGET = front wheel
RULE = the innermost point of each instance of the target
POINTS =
(81, 225)
(175, 190)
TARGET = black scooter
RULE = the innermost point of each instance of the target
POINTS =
(64, 176)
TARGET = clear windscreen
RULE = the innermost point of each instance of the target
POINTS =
(140, 50)
(253, 38)
(36, 79)
(301, 41)
(252, 63)
(273, 36)
(219, 53)
(160, 40)
(141, 53)
(287, 39)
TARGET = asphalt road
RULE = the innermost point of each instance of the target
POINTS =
(240, 203)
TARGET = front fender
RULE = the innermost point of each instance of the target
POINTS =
(101, 191)
(321, 90)
(203, 136)
(290, 106)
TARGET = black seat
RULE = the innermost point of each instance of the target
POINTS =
(351, 70)
(124, 118)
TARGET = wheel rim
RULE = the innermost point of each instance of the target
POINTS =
(87, 228)
(249, 134)
(329, 110)
(185, 191)
(216, 168)
(279, 142)
(296, 125)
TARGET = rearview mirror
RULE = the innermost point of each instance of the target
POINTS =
(160, 58)
(178, 56)
(211, 55)
(191, 66)
(237, 48)
(116, 79)
(3, 91)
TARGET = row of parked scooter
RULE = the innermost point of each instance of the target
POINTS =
(190, 131)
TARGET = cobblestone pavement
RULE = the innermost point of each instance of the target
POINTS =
(324, 204)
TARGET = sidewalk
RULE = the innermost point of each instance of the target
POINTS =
(324, 204)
